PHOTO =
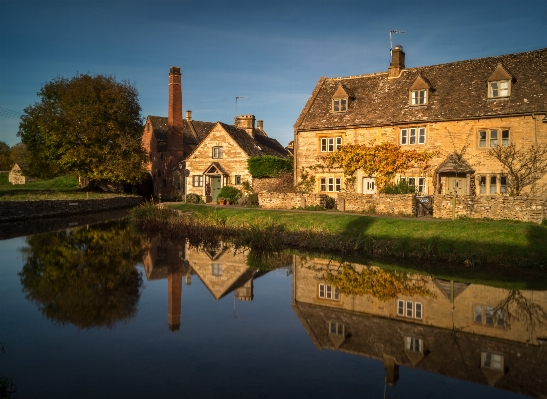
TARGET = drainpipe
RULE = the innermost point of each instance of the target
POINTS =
(535, 147)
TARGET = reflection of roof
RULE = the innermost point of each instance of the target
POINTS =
(444, 287)
(452, 353)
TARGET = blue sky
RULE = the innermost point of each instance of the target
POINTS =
(273, 52)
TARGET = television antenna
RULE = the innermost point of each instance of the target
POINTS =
(391, 32)
(237, 98)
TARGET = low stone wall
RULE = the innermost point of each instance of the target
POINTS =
(492, 207)
(24, 210)
(270, 200)
(381, 204)
(273, 184)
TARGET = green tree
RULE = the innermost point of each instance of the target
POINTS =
(5, 161)
(86, 276)
(86, 125)
(19, 154)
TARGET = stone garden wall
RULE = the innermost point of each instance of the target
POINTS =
(24, 210)
(273, 184)
(270, 200)
(492, 206)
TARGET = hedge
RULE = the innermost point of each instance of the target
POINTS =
(269, 166)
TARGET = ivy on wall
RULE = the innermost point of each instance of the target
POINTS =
(269, 166)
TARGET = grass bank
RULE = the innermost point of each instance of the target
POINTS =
(468, 242)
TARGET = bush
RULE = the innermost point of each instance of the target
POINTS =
(252, 200)
(330, 203)
(230, 193)
(544, 222)
(269, 166)
(402, 187)
(194, 199)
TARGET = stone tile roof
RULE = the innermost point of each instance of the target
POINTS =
(159, 125)
(259, 145)
(458, 91)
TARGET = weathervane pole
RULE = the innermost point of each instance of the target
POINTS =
(237, 98)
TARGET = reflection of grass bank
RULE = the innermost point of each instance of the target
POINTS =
(470, 242)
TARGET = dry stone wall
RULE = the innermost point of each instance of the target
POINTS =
(493, 207)
(270, 200)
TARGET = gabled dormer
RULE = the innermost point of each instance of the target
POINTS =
(340, 99)
(499, 83)
(419, 92)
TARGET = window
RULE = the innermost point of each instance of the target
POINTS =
(340, 104)
(216, 269)
(414, 344)
(503, 184)
(414, 135)
(148, 126)
(330, 184)
(327, 291)
(164, 183)
(482, 184)
(159, 173)
(492, 361)
(493, 137)
(485, 315)
(498, 89)
(197, 180)
(417, 182)
(218, 152)
(237, 179)
(418, 97)
(331, 144)
(336, 329)
(409, 309)
(493, 184)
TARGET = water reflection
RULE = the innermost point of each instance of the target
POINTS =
(474, 332)
(84, 276)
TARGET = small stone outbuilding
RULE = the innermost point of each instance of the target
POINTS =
(19, 175)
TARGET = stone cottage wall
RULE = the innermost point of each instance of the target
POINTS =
(492, 206)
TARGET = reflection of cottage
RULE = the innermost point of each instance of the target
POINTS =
(473, 105)
(18, 175)
(214, 153)
(459, 332)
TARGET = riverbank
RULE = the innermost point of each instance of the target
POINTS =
(468, 242)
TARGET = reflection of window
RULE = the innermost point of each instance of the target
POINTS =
(197, 181)
(331, 144)
(218, 152)
(336, 329)
(217, 269)
(327, 291)
(409, 309)
(492, 361)
(414, 135)
(413, 344)
(330, 184)
(487, 316)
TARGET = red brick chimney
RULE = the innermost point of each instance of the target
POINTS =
(174, 112)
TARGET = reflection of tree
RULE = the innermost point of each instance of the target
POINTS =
(374, 281)
(86, 277)
(516, 307)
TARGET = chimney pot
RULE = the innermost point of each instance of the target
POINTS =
(260, 125)
(397, 61)
(188, 115)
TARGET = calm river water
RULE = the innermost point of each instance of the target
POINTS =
(99, 311)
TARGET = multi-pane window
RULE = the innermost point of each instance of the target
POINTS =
(498, 89)
(492, 361)
(330, 184)
(493, 184)
(327, 291)
(418, 97)
(197, 180)
(336, 329)
(414, 344)
(414, 135)
(493, 137)
(503, 184)
(417, 182)
(331, 144)
(237, 179)
(218, 152)
(482, 184)
(487, 316)
(216, 269)
(409, 309)
(340, 104)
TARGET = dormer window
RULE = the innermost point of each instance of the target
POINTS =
(499, 83)
(418, 92)
(340, 100)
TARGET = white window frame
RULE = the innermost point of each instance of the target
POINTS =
(330, 184)
(409, 309)
(327, 291)
(499, 89)
(331, 144)
(492, 137)
(237, 179)
(216, 269)
(485, 315)
(413, 135)
(492, 361)
(339, 104)
(413, 344)
(197, 180)
(336, 329)
(218, 152)
(418, 97)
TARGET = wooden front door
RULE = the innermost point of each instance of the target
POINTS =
(456, 185)
(215, 187)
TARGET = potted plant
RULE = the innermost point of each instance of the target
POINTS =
(221, 200)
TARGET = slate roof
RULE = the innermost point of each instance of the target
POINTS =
(458, 91)
(159, 125)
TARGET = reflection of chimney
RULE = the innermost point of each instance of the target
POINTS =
(246, 122)
(397, 62)
(245, 292)
(188, 115)
(392, 370)
(174, 294)
(174, 110)
(189, 279)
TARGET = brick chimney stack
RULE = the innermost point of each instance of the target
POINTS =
(246, 122)
(397, 62)
(174, 112)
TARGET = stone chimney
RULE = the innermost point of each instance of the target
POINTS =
(397, 62)
(174, 111)
(246, 122)
(245, 292)
(188, 115)
(260, 125)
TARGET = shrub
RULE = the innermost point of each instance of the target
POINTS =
(330, 203)
(230, 193)
(252, 200)
(544, 222)
(402, 187)
(269, 166)
(194, 199)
